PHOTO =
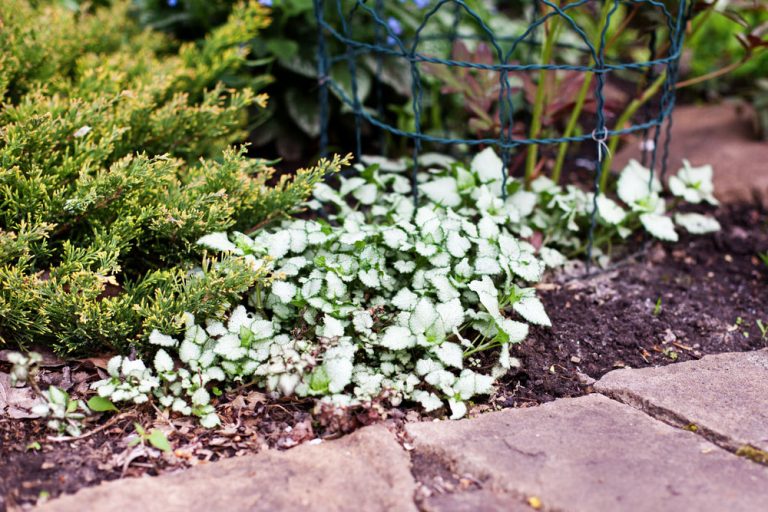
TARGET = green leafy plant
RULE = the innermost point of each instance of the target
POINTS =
(154, 437)
(387, 300)
(66, 414)
(115, 159)
(25, 367)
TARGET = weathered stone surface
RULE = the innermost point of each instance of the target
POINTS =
(593, 453)
(367, 470)
(723, 395)
(721, 135)
(482, 500)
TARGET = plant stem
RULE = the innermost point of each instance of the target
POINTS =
(481, 348)
(538, 105)
(623, 119)
(718, 72)
(580, 100)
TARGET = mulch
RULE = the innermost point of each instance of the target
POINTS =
(676, 302)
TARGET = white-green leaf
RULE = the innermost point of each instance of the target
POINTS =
(457, 245)
(366, 194)
(284, 291)
(697, 224)
(189, 351)
(659, 226)
(532, 310)
(472, 383)
(397, 337)
(362, 321)
(451, 354)
(458, 408)
(219, 242)
(262, 329)
(694, 184)
(228, 347)
(489, 167)
(634, 181)
(210, 420)
(451, 313)
(369, 278)
(332, 327)
(486, 290)
(609, 211)
(394, 237)
(161, 340)
(113, 366)
(422, 317)
(163, 362)
(514, 331)
(429, 401)
(442, 191)
(405, 299)
(201, 397)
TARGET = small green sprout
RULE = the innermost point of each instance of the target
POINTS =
(155, 437)
(657, 307)
(671, 353)
(763, 329)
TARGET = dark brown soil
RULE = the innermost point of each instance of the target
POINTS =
(711, 292)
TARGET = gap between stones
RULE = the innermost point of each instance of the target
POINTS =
(435, 474)
(676, 420)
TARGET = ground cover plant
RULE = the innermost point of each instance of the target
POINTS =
(600, 322)
(114, 160)
(384, 299)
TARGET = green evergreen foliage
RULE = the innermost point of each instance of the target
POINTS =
(114, 160)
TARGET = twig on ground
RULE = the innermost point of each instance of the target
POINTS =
(63, 439)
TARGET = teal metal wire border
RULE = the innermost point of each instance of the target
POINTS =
(337, 18)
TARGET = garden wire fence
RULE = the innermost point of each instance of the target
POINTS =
(367, 46)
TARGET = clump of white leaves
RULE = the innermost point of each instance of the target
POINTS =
(387, 299)
(182, 390)
(382, 299)
(640, 191)
(65, 414)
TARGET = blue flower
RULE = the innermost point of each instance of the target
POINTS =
(173, 3)
(395, 27)
(421, 4)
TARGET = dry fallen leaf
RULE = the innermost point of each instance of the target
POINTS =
(16, 403)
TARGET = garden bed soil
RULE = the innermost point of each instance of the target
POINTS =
(676, 302)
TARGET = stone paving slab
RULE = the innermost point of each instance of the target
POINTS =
(595, 454)
(723, 396)
(367, 470)
(483, 500)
